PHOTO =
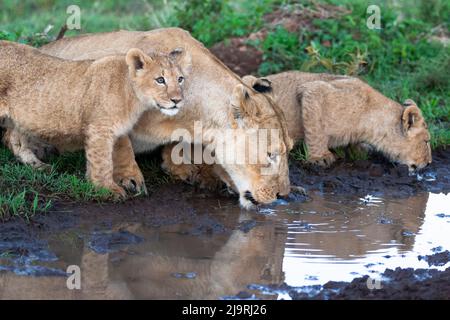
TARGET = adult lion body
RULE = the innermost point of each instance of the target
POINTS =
(73, 105)
(208, 93)
(327, 111)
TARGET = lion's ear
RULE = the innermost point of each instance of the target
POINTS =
(183, 58)
(137, 60)
(242, 104)
(411, 117)
(409, 102)
(261, 85)
(249, 80)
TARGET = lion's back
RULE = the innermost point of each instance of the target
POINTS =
(98, 45)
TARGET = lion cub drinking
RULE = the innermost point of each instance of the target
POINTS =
(84, 104)
(327, 111)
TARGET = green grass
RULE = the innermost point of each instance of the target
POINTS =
(300, 152)
(211, 21)
(350, 153)
(26, 21)
(25, 191)
(401, 60)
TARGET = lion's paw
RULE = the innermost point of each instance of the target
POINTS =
(323, 161)
(133, 184)
(119, 193)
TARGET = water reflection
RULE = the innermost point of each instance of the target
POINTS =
(328, 238)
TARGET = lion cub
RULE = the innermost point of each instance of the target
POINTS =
(327, 111)
(84, 104)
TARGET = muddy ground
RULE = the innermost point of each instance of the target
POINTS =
(175, 204)
(398, 284)
(375, 177)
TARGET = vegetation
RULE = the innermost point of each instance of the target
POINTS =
(407, 58)
(25, 191)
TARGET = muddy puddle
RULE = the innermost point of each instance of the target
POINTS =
(207, 248)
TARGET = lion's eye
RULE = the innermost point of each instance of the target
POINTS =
(160, 80)
(180, 79)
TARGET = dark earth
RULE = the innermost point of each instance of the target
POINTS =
(173, 204)
(404, 284)
(376, 176)
(243, 58)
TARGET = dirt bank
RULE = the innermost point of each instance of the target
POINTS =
(376, 177)
(395, 284)
(405, 284)
(243, 57)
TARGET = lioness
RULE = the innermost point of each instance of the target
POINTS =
(208, 98)
(88, 104)
(329, 111)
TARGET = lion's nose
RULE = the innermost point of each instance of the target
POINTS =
(176, 100)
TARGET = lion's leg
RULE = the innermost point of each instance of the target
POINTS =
(222, 175)
(206, 176)
(126, 170)
(41, 149)
(99, 157)
(19, 144)
(4, 110)
(210, 177)
(186, 172)
(315, 136)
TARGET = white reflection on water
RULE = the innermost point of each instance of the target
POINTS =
(308, 263)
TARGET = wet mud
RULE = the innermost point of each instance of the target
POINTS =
(182, 242)
(437, 259)
(405, 284)
(377, 177)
